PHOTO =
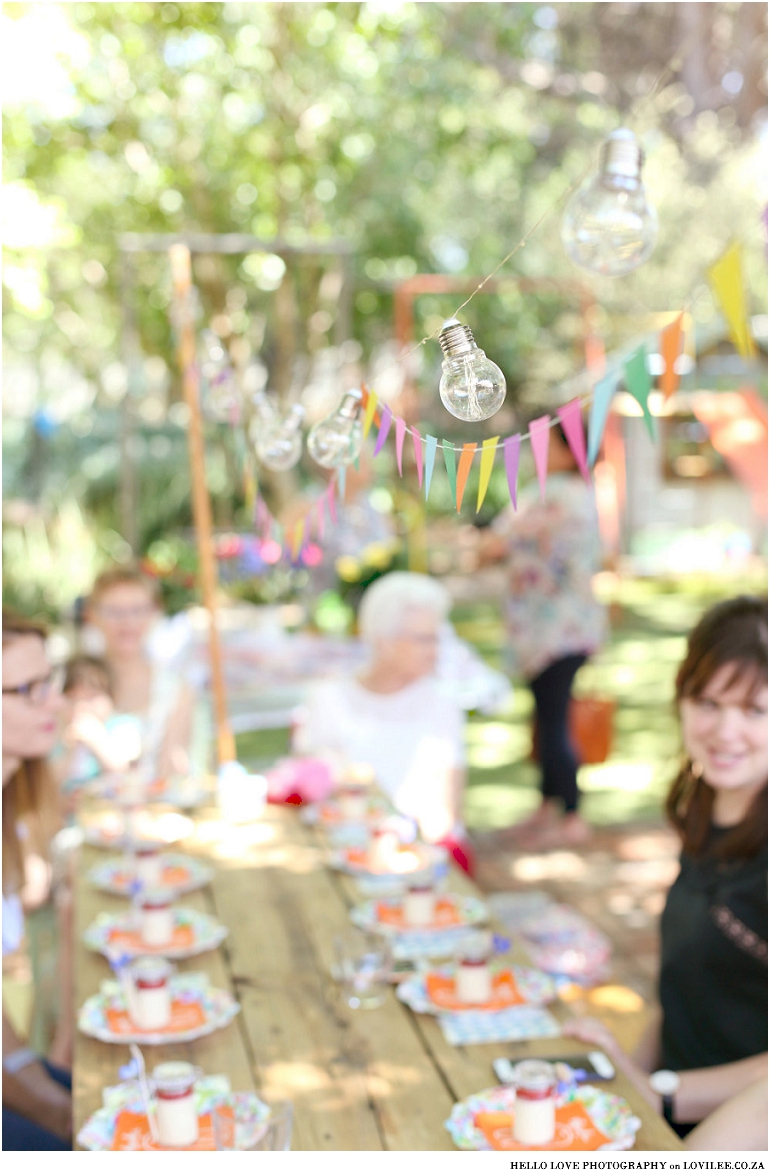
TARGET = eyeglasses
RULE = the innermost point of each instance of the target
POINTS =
(36, 692)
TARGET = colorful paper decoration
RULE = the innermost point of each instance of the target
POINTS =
(726, 280)
(400, 433)
(571, 419)
(451, 469)
(296, 539)
(639, 384)
(488, 451)
(463, 469)
(539, 437)
(431, 444)
(417, 441)
(671, 340)
(604, 393)
(369, 411)
(382, 435)
(511, 449)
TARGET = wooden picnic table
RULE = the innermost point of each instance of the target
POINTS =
(359, 1080)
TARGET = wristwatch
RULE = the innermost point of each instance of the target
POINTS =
(14, 1062)
(666, 1084)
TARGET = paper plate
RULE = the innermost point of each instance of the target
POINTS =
(414, 861)
(181, 873)
(194, 933)
(121, 1124)
(587, 1119)
(455, 913)
(430, 993)
(108, 828)
(198, 1010)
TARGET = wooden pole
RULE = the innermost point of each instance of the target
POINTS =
(181, 270)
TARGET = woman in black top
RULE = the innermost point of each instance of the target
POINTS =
(712, 1026)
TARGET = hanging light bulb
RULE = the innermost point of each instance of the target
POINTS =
(279, 444)
(472, 387)
(338, 439)
(221, 401)
(608, 227)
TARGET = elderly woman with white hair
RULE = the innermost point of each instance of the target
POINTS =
(394, 715)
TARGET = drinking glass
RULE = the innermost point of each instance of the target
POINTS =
(272, 1135)
(363, 968)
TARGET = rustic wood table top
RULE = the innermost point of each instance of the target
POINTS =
(358, 1079)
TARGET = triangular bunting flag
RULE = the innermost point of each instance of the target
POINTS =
(671, 340)
(382, 435)
(511, 448)
(296, 539)
(463, 469)
(431, 444)
(604, 393)
(639, 384)
(369, 410)
(726, 279)
(451, 468)
(571, 419)
(417, 441)
(539, 438)
(400, 433)
(488, 450)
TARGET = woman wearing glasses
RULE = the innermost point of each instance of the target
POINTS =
(37, 1108)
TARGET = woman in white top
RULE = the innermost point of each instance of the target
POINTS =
(394, 715)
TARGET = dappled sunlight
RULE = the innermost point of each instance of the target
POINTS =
(553, 865)
(619, 999)
(632, 777)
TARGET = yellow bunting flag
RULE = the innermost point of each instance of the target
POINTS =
(670, 349)
(369, 410)
(463, 468)
(296, 539)
(726, 279)
(488, 450)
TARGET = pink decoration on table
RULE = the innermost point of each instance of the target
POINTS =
(400, 433)
(298, 780)
(571, 419)
(540, 435)
(511, 448)
(417, 440)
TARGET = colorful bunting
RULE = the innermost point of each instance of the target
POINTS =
(511, 448)
(400, 433)
(671, 340)
(369, 411)
(488, 450)
(451, 469)
(296, 539)
(382, 435)
(463, 469)
(430, 455)
(417, 441)
(604, 393)
(726, 280)
(320, 518)
(571, 419)
(639, 384)
(539, 437)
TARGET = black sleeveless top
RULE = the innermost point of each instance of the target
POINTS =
(713, 978)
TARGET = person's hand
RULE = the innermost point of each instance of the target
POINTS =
(49, 1104)
(591, 1030)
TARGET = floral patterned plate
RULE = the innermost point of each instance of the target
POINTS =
(453, 912)
(194, 933)
(109, 828)
(197, 1010)
(432, 992)
(181, 873)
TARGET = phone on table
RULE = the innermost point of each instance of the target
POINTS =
(595, 1064)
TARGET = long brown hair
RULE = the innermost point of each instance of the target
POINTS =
(734, 633)
(30, 795)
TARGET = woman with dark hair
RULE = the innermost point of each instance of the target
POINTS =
(709, 1042)
(37, 1105)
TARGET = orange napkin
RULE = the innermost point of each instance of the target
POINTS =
(358, 857)
(183, 938)
(132, 1133)
(171, 877)
(575, 1131)
(441, 990)
(184, 1016)
(446, 914)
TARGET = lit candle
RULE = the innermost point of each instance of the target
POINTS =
(175, 1108)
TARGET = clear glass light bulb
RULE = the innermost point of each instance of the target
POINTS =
(472, 387)
(279, 444)
(608, 227)
(338, 439)
(221, 400)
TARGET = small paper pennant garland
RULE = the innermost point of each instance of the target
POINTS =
(604, 393)
(488, 451)
(382, 435)
(671, 340)
(431, 444)
(726, 280)
(451, 467)
(369, 410)
(400, 433)
(511, 450)
(571, 419)
(417, 441)
(463, 471)
(639, 384)
(540, 435)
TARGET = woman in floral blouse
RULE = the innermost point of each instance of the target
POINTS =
(551, 550)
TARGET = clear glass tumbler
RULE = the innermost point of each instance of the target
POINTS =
(272, 1135)
(363, 968)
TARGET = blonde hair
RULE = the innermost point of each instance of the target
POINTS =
(130, 575)
(30, 795)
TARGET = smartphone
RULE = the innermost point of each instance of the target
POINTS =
(595, 1064)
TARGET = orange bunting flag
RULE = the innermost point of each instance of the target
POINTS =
(463, 469)
(726, 280)
(369, 412)
(488, 450)
(671, 340)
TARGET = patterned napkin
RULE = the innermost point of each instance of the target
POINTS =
(504, 1026)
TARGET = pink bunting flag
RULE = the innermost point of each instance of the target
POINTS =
(382, 435)
(330, 500)
(400, 433)
(571, 419)
(417, 441)
(540, 435)
(511, 448)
